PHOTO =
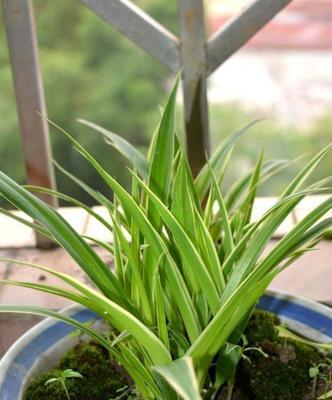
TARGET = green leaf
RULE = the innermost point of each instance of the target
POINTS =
(208, 252)
(245, 210)
(215, 335)
(202, 180)
(246, 292)
(141, 375)
(191, 258)
(160, 311)
(67, 294)
(120, 318)
(135, 157)
(163, 153)
(299, 235)
(137, 282)
(182, 207)
(180, 375)
(71, 200)
(35, 226)
(118, 262)
(227, 363)
(227, 243)
(69, 373)
(156, 243)
(36, 310)
(272, 219)
(97, 196)
(285, 333)
(269, 169)
(305, 172)
(327, 395)
(52, 380)
(66, 236)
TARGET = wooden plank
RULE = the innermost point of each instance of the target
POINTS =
(193, 60)
(234, 34)
(140, 28)
(23, 50)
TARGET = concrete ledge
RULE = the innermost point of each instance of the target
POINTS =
(15, 235)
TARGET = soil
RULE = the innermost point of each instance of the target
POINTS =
(279, 370)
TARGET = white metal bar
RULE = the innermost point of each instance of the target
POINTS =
(193, 61)
(140, 28)
(23, 50)
(234, 34)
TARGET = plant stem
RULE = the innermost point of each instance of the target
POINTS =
(63, 383)
(314, 386)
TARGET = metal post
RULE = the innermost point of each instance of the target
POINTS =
(23, 50)
(193, 61)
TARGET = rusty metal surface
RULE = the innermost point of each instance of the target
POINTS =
(139, 27)
(235, 33)
(193, 61)
(29, 93)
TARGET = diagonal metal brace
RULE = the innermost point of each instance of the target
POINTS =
(140, 28)
(234, 34)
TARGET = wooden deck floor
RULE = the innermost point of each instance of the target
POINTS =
(310, 276)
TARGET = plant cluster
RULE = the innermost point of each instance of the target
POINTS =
(189, 263)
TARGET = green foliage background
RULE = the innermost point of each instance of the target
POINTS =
(91, 71)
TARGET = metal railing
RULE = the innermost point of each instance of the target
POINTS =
(192, 51)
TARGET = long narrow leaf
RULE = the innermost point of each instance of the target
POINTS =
(65, 235)
(71, 200)
(190, 256)
(305, 172)
(125, 148)
(180, 374)
(228, 244)
(203, 178)
(184, 301)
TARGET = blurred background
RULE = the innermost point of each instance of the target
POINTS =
(92, 72)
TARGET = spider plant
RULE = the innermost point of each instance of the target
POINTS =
(189, 263)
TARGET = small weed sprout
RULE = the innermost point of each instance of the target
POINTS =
(62, 377)
(316, 372)
(253, 348)
(125, 392)
(245, 348)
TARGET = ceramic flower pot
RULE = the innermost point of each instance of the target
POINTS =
(40, 348)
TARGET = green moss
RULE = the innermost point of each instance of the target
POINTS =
(283, 375)
(101, 377)
(262, 327)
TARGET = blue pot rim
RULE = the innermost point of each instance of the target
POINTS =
(24, 352)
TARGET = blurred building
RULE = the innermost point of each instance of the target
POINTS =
(285, 69)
